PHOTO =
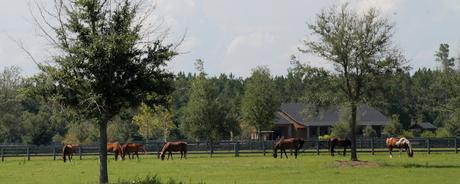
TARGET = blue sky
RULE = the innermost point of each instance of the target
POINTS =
(234, 36)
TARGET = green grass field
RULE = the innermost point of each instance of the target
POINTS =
(308, 168)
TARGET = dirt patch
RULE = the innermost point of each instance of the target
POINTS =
(356, 164)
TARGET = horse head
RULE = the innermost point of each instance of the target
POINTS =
(407, 143)
(275, 147)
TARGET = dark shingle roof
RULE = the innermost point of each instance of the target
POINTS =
(425, 125)
(329, 116)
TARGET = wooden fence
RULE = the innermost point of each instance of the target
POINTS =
(371, 145)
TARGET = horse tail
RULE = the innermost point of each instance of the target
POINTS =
(63, 152)
(145, 151)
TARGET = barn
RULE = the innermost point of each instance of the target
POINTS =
(291, 121)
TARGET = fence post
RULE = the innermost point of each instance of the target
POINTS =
(79, 151)
(3, 156)
(317, 147)
(54, 152)
(456, 146)
(428, 146)
(28, 152)
(237, 149)
(263, 145)
(372, 145)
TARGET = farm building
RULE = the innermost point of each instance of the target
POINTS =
(420, 127)
(291, 122)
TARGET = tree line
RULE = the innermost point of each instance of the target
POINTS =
(206, 107)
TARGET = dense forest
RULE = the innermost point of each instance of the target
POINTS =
(423, 95)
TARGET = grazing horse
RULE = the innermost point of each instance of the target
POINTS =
(174, 146)
(68, 150)
(333, 142)
(115, 147)
(399, 143)
(291, 143)
(132, 148)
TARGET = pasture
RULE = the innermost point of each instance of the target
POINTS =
(308, 168)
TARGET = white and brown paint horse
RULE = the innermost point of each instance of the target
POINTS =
(401, 143)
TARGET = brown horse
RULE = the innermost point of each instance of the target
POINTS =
(174, 146)
(115, 147)
(132, 148)
(291, 143)
(68, 150)
(399, 143)
(333, 142)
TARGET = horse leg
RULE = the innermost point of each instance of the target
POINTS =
(344, 150)
(285, 153)
(390, 149)
(295, 153)
(332, 150)
(170, 153)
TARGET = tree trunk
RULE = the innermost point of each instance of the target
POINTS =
(103, 176)
(354, 156)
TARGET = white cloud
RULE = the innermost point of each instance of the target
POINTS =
(385, 6)
(250, 41)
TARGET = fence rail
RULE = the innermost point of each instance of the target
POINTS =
(371, 145)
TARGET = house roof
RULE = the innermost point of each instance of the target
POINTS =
(425, 125)
(328, 116)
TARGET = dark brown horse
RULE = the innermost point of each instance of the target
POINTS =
(132, 148)
(115, 147)
(174, 146)
(401, 143)
(291, 143)
(333, 142)
(68, 150)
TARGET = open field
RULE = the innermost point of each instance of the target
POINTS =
(308, 168)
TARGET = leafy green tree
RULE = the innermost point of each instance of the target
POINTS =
(428, 134)
(442, 56)
(10, 106)
(361, 50)
(107, 62)
(122, 128)
(204, 116)
(154, 122)
(260, 101)
(340, 130)
(82, 132)
(368, 131)
(393, 128)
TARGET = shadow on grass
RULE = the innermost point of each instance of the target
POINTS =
(426, 165)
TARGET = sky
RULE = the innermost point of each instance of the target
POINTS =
(235, 36)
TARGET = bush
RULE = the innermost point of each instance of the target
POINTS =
(428, 134)
(340, 130)
(368, 131)
(443, 132)
(394, 127)
(150, 180)
(325, 137)
(407, 134)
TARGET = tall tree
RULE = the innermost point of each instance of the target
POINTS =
(360, 48)
(260, 101)
(154, 122)
(10, 107)
(108, 62)
(204, 115)
(442, 56)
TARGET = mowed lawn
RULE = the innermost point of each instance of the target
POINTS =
(308, 168)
